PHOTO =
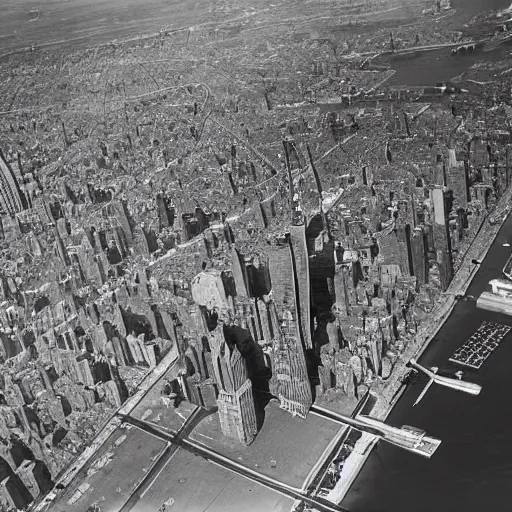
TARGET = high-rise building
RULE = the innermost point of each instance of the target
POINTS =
(441, 237)
(302, 283)
(456, 179)
(290, 382)
(419, 256)
(403, 236)
(235, 400)
(12, 199)
(342, 276)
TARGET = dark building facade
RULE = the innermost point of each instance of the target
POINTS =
(12, 199)
(442, 238)
(236, 404)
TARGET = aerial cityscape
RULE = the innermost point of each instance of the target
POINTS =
(255, 256)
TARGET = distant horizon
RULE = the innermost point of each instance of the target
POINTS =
(81, 23)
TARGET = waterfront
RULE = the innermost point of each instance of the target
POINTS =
(430, 67)
(472, 467)
(470, 470)
(441, 65)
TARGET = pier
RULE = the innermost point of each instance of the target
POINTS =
(407, 437)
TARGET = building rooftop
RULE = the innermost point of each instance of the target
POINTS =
(192, 484)
(111, 475)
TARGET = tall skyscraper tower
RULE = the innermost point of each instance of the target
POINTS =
(419, 256)
(441, 237)
(236, 403)
(456, 179)
(290, 381)
(12, 199)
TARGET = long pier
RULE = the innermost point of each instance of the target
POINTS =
(408, 438)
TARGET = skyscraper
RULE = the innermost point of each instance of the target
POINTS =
(441, 237)
(419, 256)
(236, 404)
(290, 381)
(12, 199)
(456, 179)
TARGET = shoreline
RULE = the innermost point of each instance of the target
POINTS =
(478, 249)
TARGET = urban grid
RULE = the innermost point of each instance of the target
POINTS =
(221, 243)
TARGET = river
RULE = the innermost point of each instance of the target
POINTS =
(430, 67)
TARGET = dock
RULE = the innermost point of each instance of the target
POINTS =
(480, 345)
